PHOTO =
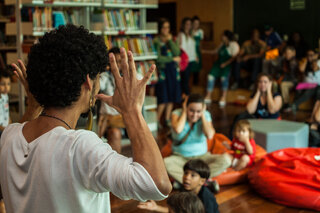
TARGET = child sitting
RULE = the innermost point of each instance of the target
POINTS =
(243, 145)
(110, 121)
(196, 173)
(5, 86)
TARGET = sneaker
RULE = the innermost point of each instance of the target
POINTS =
(222, 103)
(207, 101)
(234, 86)
(213, 186)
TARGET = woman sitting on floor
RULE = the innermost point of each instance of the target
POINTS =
(264, 104)
(191, 127)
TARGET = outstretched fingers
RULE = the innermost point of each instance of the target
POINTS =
(18, 72)
(132, 66)
(149, 74)
(23, 68)
(124, 63)
(114, 67)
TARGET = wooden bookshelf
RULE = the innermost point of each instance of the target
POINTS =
(40, 3)
(122, 27)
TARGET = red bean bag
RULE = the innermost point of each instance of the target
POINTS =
(215, 146)
(290, 177)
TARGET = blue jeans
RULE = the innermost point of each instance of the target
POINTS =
(212, 79)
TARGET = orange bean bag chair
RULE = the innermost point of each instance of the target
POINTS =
(216, 146)
(290, 177)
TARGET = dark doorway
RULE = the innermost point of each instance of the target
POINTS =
(165, 10)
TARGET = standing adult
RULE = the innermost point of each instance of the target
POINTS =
(47, 165)
(198, 36)
(227, 53)
(168, 89)
(187, 44)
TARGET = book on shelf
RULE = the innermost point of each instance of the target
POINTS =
(140, 46)
(121, 20)
(45, 18)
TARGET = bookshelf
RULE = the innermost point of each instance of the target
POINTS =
(120, 22)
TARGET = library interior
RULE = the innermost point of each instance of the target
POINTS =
(177, 106)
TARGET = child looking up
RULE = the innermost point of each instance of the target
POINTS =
(196, 173)
(5, 86)
(243, 145)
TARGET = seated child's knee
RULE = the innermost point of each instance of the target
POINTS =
(115, 133)
(245, 158)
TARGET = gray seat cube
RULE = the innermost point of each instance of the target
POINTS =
(274, 134)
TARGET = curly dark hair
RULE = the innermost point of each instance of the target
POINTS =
(59, 63)
(198, 166)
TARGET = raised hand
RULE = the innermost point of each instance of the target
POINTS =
(21, 72)
(149, 205)
(130, 92)
(184, 104)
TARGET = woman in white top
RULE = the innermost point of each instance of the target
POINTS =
(48, 166)
(188, 45)
(227, 52)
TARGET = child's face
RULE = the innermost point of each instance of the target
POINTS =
(289, 54)
(5, 85)
(242, 133)
(192, 181)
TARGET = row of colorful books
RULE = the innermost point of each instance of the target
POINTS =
(106, 1)
(45, 18)
(140, 46)
(122, 19)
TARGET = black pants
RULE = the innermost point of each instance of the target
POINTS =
(241, 116)
(185, 75)
(307, 94)
(314, 138)
(253, 66)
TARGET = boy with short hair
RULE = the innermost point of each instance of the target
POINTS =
(5, 86)
(196, 173)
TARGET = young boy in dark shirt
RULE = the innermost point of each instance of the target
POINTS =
(196, 173)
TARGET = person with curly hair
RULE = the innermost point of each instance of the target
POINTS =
(48, 166)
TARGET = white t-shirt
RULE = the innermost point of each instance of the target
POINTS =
(4, 110)
(107, 86)
(233, 48)
(67, 171)
(189, 46)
